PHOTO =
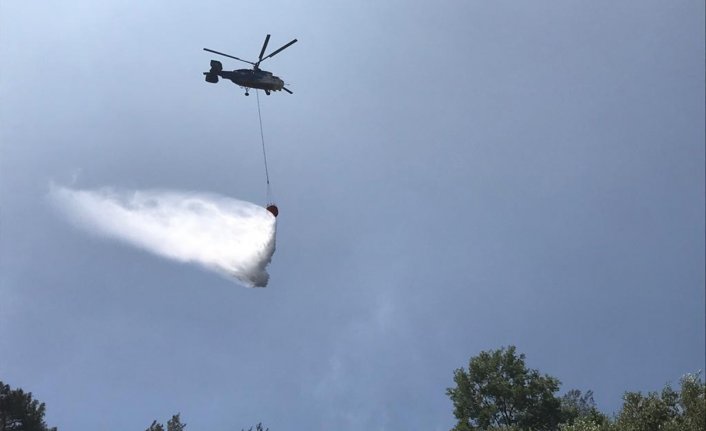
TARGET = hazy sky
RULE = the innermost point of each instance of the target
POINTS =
(452, 177)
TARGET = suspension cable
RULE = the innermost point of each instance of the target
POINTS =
(262, 138)
(264, 154)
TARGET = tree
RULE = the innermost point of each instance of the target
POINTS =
(20, 412)
(156, 426)
(584, 424)
(669, 410)
(173, 424)
(499, 391)
(649, 412)
(692, 400)
(258, 427)
(575, 406)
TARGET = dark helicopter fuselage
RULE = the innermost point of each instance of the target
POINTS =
(248, 78)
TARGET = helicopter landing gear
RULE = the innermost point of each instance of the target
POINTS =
(267, 92)
(247, 94)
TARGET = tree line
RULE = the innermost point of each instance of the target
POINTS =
(496, 392)
(499, 392)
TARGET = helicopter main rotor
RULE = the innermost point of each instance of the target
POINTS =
(260, 58)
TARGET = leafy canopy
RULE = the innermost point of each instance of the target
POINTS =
(20, 412)
(499, 391)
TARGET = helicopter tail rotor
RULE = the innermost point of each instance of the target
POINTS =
(216, 66)
(212, 75)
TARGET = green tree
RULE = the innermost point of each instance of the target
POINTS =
(20, 412)
(499, 391)
(156, 426)
(584, 423)
(173, 424)
(669, 410)
(650, 412)
(577, 405)
(692, 400)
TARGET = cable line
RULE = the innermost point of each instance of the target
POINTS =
(262, 137)
(271, 207)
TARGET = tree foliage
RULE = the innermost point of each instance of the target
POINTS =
(692, 401)
(669, 410)
(258, 427)
(578, 406)
(20, 412)
(584, 424)
(173, 424)
(499, 391)
(156, 426)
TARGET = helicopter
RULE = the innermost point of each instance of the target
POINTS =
(249, 78)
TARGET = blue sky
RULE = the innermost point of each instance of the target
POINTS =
(452, 178)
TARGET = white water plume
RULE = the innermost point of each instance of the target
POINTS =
(229, 236)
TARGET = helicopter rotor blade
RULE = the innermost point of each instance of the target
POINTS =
(287, 90)
(264, 47)
(279, 50)
(230, 56)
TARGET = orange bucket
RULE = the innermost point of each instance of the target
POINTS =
(273, 209)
